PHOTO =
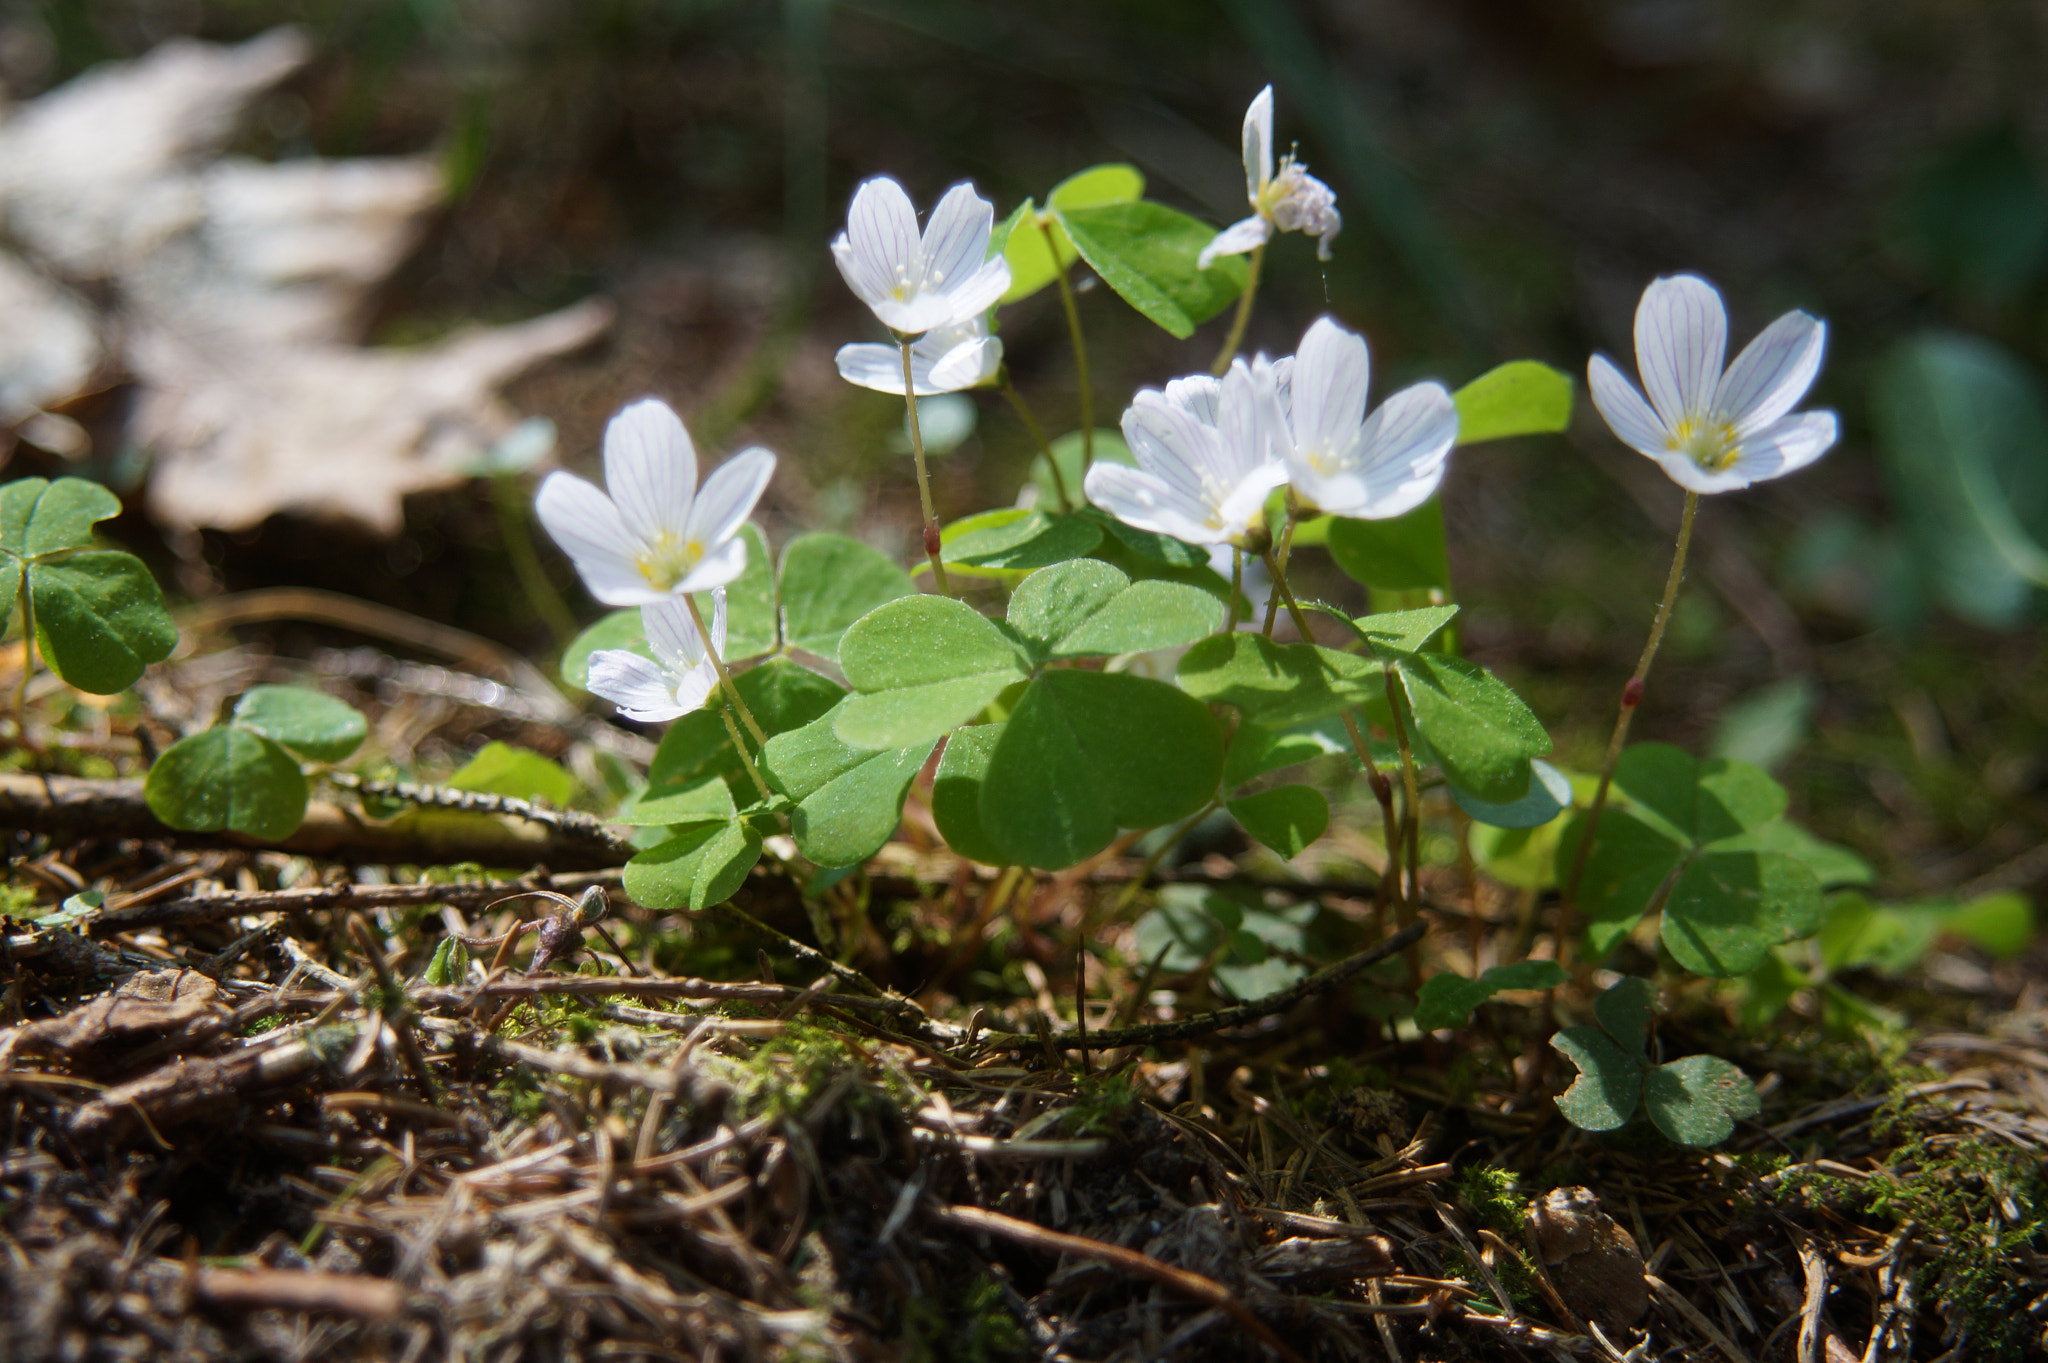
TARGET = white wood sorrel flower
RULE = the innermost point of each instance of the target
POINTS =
(944, 360)
(682, 676)
(1207, 458)
(1340, 460)
(914, 283)
(1714, 431)
(1290, 201)
(657, 534)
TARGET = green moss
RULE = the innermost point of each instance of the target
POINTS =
(1100, 1104)
(1494, 1197)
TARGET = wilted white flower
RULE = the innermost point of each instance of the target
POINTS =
(944, 360)
(1715, 431)
(1291, 201)
(682, 676)
(1207, 458)
(1340, 460)
(916, 284)
(657, 534)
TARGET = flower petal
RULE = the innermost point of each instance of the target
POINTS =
(672, 634)
(1772, 373)
(1197, 395)
(1248, 422)
(920, 312)
(1627, 415)
(1790, 443)
(1681, 341)
(966, 365)
(1331, 371)
(882, 238)
(638, 687)
(956, 239)
(1246, 234)
(693, 689)
(1138, 498)
(1258, 147)
(1176, 448)
(586, 525)
(718, 620)
(870, 364)
(1247, 501)
(716, 568)
(1404, 450)
(650, 468)
(727, 499)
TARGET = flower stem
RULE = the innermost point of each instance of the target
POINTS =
(924, 483)
(1287, 595)
(1244, 314)
(1080, 347)
(732, 693)
(1059, 479)
(1411, 793)
(1236, 588)
(1631, 697)
(1382, 791)
(739, 746)
(28, 663)
(1280, 553)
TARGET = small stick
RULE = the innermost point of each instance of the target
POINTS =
(392, 1004)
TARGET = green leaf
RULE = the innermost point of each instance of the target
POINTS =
(1405, 553)
(1022, 242)
(1521, 397)
(1018, 539)
(1397, 632)
(1832, 865)
(1447, 1000)
(501, 769)
(922, 665)
(1147, 253)
(830, 581)
(1150, 545)
(849, 800)
(1256, 750)
(702, 865)
(1245, 943)
(1610, 1081)
(2001, 924)
(780, 694)
(749, 601)
(99, 617)
(1284, 818)
(17, 503)
(1767, 726)
(311, 724)
(450, 965)
(1696, 1101)
(705, 799)
(1481, 733)
(1729, 909)
(1111, 183)
(1765, 991)
(1087, 608)
(1623, 1012)
(1277, 685)
(1549, 794)
(63, 516)
(12, 570)
(1066, 453)
(956, 792)
(1087, 753)
(1524, 858)
(1963, 430)
(227, 778)
(620, 630)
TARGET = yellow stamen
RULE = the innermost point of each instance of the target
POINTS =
(1708, 442)
(666, 560)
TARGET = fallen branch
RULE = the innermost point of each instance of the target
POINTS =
(219, 907)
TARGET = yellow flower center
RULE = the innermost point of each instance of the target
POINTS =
(666, 560)
(1708, 442)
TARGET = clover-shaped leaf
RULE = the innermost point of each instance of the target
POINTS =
(1697, 1100)
(703, 864)
(1447, 1000)
(1610, 1081)
(1277, 685)
(1284, 818)
(1088, 608)
(830, 581)
(310, 723)
(239, 776)
(921, 665)
(849, 800)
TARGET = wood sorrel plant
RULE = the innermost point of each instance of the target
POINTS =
(1055, 740)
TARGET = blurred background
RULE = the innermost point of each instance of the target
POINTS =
(1511, 175)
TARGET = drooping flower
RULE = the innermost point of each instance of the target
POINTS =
(915, 283)
(1715, 431)
(657, 534)
(944, 360)
(1291, 201)
(1207, 458)
(1340, 460)
(682, 676)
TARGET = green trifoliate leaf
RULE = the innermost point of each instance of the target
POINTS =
(704, 864)
(1018, 540)
(1549, 794)
(1113, 182)
(956, 792)
(1729, 909)
(1697, 1100)
(1246, 945)
(227, 778)
(619, 629)
(1406, 553)
(2000, 924)
(1521, 397)
(1025, 248)
(830, 581)
(1284, 818)
(1610, 1081)
(311, 724)
(517, 774)
(1277, 685)
(780, 694)
(749, 601)
(99, 618)
(1623, 1012)
(1087, 608)
(1256, 750)
(849, 800)
(1447, 1000)
(1147, 253)
(1087, 753)
(1832, 864)
(921, 665)
(64, 515)
(1480, 732)
(1396, 632)
(708, 798)
(17, 503)
(1149, 545)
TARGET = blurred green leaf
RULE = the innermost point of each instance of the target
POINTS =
(309, 723)
(227, 778)
(516, 773)
(1521, 397)
(1284, 818)
(1447, 1000)
(1405, 553)
(1767, 726)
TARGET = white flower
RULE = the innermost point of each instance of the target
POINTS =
(918, 284)
(1341, 461)
(1206, 458)
(944, 360)
(1291, 201)
(657, 535)
(682, 678)
(1715, 431)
